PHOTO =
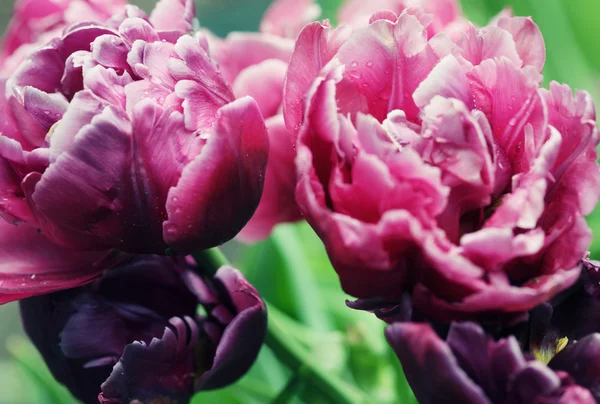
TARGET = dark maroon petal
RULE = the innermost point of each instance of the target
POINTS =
(246, 321)
(582, 361)
(43, 319)
(163, 368)
(431, 367)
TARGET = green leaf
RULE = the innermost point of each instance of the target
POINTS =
(43, 385)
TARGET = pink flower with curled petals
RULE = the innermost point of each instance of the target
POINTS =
(36, 22)
(124, 135)
(437, 166)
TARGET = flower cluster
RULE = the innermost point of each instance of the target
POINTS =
(448, 186)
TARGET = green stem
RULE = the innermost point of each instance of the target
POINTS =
(302, 285)
(288, 351)
(210, 260)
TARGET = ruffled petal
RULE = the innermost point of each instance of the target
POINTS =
(219, 191)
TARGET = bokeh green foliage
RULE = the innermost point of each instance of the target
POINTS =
(291, 269)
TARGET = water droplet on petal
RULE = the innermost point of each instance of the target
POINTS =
(355, 63)
(370, 63)
(174, 199)
(47, 112)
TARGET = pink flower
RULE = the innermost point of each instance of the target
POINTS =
(124, 135)
(445, 15)
(35, 22)
(255, 64)
(439, 167)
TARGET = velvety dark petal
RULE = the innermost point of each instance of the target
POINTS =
(85, 330)
(43, 320)
(163, 368)
(233, 357)
(431, 367)
(582, 361)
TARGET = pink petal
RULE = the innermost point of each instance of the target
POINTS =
(386, 63)
(528, 39)
(490, 42)
(219, 191)
(31, 265)
(110, 51)
(286, 18)
(243, 49)
(133, 29)
(173, 15)
(93, 195)
(315, 47)
(199, 84)
(82, 109)
(264, 83)
(278, 201)
(508, 108)
(150, 61)
(46, 109)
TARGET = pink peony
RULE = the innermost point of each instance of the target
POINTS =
(36, 22)
(124, 135)
(255, 64)
(439, 167)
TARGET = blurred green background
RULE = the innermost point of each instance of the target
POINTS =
(301, 283)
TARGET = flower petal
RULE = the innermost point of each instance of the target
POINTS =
(286, 18)
(219, 191)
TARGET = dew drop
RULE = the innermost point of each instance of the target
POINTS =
(174, 199)
(354, 64)
(370, 63)
(47, 112)
(33, 276)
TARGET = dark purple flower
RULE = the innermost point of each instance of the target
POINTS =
(135, 334)
(470, 367)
